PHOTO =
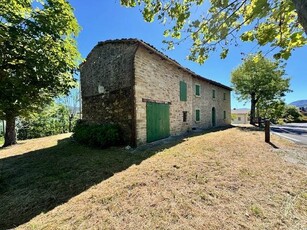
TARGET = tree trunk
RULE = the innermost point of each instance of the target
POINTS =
(253, 108)
(301, 8)
(10, 133)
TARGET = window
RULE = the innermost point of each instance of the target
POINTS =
(239, 118)
(183, 91)
(213, 93)
(197, 115)
(184, 116)
(224, 115)
(224, 96)
(197, 90)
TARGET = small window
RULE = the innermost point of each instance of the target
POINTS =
(184, 116)
(197, 90)
(197, 115)
(213, 93)
(239, 118)
(183, 91)
(224, 115)
(224, 96)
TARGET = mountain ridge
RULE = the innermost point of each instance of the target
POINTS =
(299, 103)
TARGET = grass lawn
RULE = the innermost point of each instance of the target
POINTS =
(226, 179)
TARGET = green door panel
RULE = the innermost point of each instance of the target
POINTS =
(213, 117)
(157, 121)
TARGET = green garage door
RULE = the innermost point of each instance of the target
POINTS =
(157, 118)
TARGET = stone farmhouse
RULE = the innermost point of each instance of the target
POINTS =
(130, 83)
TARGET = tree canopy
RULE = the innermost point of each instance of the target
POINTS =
(216, 24)
(259, 79)
(38, 55)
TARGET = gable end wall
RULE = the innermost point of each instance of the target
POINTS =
(107, 87)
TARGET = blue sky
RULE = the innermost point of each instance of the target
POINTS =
(106, 19)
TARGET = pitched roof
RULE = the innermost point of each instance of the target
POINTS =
(153, 49)
(240, 111)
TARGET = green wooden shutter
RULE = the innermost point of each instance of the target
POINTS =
(197, 90)
(213, 93)
(183, 91)
(197, 115)
(224, 114)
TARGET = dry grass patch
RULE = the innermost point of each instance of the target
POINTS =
(229, 179)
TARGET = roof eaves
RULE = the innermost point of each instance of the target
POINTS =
(183, 68)
(156, 51)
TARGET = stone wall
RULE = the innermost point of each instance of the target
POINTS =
(206, 102)
(158, 79)
(118, 77)
(107, 87)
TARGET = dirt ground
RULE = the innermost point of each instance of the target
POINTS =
(229, 179)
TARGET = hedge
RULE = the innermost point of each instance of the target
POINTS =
(103, 135)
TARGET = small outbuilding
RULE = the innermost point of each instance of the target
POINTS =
(130, 83)
(240, 116)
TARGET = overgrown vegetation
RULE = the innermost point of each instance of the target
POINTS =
(292, 114)
(279, 112)
(53, 119)
(94, 135)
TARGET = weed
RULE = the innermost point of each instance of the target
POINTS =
(257, 211)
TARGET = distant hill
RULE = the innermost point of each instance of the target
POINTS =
(300, 103)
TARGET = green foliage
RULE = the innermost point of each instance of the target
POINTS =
(260, 76)
(272, 110)
(53, 119)
(221, 23)
(103, 135)
(260, 81)
(234, 116)
(292, 114)
(38, 53)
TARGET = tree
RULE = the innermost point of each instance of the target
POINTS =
(50, 120)
(273, 109)
(219, 23)
(72, 103)
(292, 114)
(259, 79)
(38, 56)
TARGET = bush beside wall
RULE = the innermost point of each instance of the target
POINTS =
(103, 135)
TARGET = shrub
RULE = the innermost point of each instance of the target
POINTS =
(292, 114)
(103, 135)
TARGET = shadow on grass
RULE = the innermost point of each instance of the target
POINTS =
(273, 145)
(40, 180)
(256, 129)
(250, 128)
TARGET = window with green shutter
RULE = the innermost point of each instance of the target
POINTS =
(197, 115)
(213, 93)
(183, 91)
(224, 115)
(224, 96)
(197, 90)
